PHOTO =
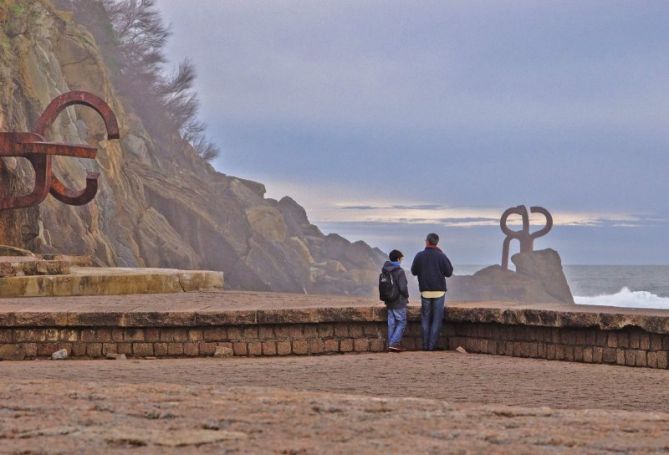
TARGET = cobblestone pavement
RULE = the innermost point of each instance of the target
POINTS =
(369, 403)
(181, 302)
(445, 375)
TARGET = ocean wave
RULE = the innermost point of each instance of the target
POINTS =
(626, 298)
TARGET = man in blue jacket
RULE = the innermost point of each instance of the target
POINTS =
(431, 266)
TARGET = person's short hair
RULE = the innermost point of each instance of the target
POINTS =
(432, 239)
(395, 255)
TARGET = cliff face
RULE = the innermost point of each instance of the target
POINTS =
(157, 206)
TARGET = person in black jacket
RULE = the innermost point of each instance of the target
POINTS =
(397, 309)
(431, 266)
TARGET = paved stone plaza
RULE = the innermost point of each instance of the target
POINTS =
(414, 402)
(449, 402)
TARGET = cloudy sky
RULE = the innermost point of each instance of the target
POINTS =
(390, 119)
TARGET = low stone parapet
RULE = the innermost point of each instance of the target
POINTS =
(251, 324)
(268, 332)
(563, 332)
(246, 333)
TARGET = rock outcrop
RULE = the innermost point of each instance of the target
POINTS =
(538, 278)
(546, 267)
(157, 206)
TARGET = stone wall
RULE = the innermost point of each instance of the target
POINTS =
(593, 337)
(630, 346)
(174, 334)
(563, 332)
(243, 340)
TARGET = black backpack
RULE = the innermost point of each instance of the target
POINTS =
(388, 288)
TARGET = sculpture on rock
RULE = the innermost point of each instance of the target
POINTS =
(538, 278)
(524, 236)
(39, 153)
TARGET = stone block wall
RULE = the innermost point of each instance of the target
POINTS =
(243, 340)
(640, 340)
(629, 346)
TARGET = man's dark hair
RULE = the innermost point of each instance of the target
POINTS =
(395, 255)
(432, 239)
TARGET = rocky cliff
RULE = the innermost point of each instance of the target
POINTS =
(157, 206)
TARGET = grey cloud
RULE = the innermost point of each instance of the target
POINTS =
(467, 104)
(419, 207)
(361, 207)
(396, 207)
(469, 220)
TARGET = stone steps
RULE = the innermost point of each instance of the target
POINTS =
(85, 281)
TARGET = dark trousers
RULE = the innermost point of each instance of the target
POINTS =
(431, 321)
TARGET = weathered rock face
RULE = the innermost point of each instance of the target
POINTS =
(157, 206)
(546, 267)
(538, 278)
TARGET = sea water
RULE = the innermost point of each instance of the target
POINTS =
(632, 286)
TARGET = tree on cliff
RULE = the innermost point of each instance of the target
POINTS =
(142, 36)
(167, 103)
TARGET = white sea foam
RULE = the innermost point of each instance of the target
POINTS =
(627, 298)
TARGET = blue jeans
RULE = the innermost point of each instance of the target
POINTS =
(397, 322)
(431, 320)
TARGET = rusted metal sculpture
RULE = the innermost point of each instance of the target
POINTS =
(39, 153)
(524, 236)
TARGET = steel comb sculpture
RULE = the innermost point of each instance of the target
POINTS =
(39, 153)
(524, 236)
